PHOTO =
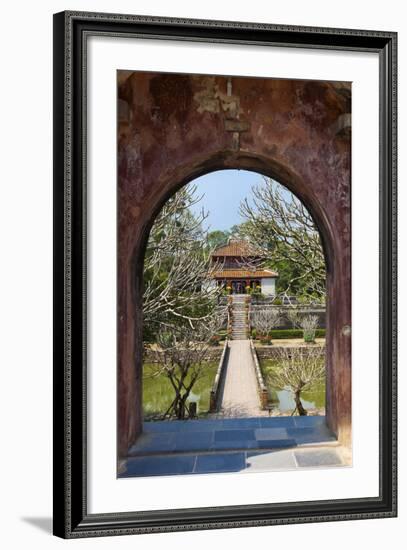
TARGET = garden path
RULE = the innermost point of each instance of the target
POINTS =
(240, 396)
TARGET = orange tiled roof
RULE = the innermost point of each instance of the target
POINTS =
(235, 248)
(244, 274)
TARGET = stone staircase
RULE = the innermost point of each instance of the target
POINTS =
(239, 322)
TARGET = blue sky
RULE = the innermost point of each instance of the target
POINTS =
(222, 193)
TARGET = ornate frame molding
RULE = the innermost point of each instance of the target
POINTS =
(71, 30)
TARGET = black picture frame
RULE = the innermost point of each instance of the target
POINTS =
(71, 518)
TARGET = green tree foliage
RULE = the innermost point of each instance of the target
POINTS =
(217, 238)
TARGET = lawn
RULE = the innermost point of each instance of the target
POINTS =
(158, 392)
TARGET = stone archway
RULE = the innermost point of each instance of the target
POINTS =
(174, 128)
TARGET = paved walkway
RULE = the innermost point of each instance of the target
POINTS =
(240, 394)
(232, 445)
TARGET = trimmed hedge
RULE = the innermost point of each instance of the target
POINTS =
(294, 333)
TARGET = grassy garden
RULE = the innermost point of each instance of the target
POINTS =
(158, 392)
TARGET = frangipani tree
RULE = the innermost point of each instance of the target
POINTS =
(285, 236)
(181, 355)
(264, 320)
(298, 370)
(177, 266)
(307, 322)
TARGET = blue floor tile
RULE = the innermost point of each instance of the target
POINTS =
(199, 425)
(239, 423)
(276, 443)
(309, 421)
(277, 422)
(234, 435)
(154, 443)
(159, 465)
(198, 441)
(271, 433)
(228, 462)
(162, 426)
(237, 444)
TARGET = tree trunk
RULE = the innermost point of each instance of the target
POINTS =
(298, 404)
(181, 406)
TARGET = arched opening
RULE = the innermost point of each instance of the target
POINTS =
(314, 164)
(227, 238)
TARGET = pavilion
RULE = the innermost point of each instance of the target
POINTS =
(237, 266)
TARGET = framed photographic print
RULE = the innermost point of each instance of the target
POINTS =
(225, 274)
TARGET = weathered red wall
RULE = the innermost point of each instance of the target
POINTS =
(173, 128)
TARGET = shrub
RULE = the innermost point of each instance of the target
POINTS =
(309, 324)
(294, 333)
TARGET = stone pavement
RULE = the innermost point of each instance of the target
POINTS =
(232, 445)
(242, 462)
(240, 394)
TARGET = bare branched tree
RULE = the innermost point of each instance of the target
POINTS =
(265, 319)
(177, 265)
(283, 233)
(309, 325)
(181, 354)
(294, 316)
(298, 370)
(305, 321)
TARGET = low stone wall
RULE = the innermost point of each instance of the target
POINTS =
(220, 373)
(213, 354)
(263, 393)
(285, 323)
(272, 352)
